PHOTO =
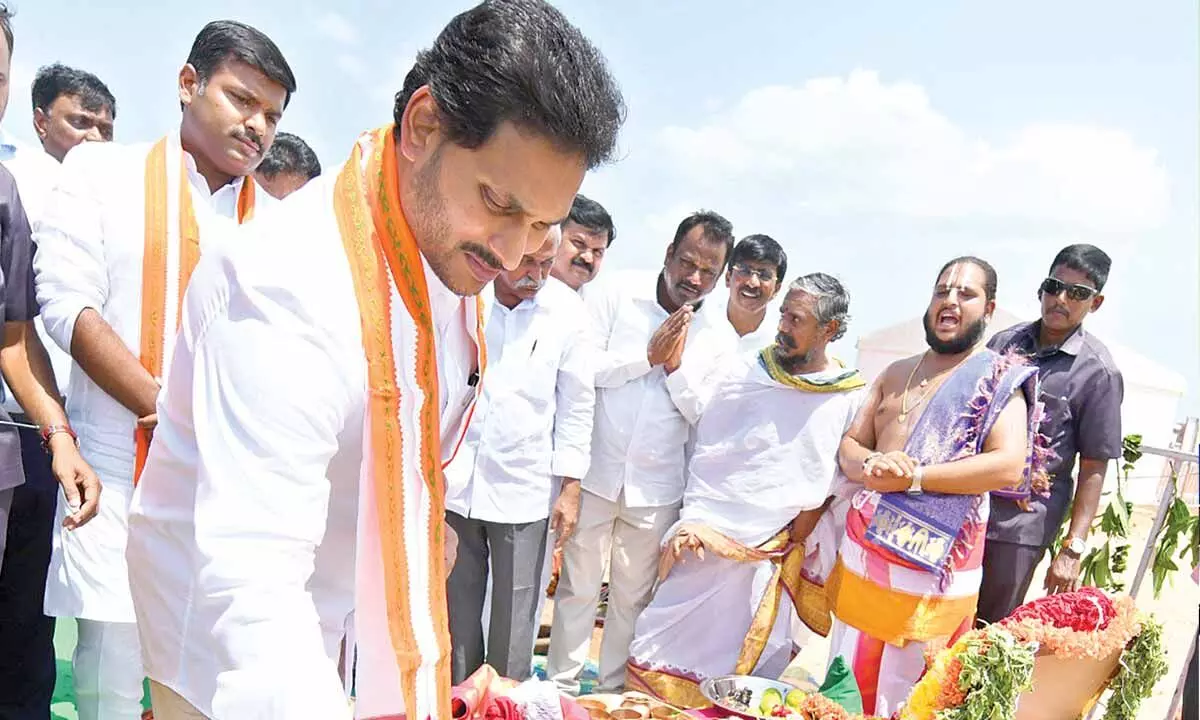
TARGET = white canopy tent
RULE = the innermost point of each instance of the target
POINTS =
(1150, 406)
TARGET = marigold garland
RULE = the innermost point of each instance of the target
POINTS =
(985, 668)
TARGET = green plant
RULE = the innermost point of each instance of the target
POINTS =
(1105, 565)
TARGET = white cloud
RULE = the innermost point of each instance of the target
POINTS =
(336, 27)
(859, 145)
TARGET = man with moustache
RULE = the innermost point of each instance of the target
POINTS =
(914, 534)
(587, 235)
(319, 388)
(755, 275)
(122, 232)
(768, 426)
(1082, 389)
(529, 439)
(640, 324)
(287, 166)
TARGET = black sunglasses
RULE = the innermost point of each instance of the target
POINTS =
(1078, 293)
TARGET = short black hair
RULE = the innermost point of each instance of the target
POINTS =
(590, 214)
(6, 16)
(221, 41)
(57, 80)
(716, 230)
(519, 61)
(1087, 259)
(989, 273)
(833, 300)
(761, 248)
(289, 154)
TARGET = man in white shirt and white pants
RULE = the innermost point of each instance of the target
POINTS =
(121, 233)
(529, 440)
(641, 324)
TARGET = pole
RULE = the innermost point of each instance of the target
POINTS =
(1164, 505)
(1177, 699)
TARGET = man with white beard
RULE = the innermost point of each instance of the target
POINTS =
(529, 439)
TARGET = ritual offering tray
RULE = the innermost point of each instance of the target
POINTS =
(756, 697)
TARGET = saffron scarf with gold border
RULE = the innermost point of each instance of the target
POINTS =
(401, 624)
(170, 253)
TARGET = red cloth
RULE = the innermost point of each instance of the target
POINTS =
(501, 708)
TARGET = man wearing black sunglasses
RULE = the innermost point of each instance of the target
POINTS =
(1082, 389)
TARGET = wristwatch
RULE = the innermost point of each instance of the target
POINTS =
(915, 487)
(1075, 547)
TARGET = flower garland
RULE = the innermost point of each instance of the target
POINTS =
(980, 676)
(1088, 624)
(1142, 666)
(1085, 624)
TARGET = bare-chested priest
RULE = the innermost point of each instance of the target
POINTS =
(908, 568)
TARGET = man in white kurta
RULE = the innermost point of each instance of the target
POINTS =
(641, 326)
(329, 358)
(92, 268)
(756, 271)
(530, 439)
(768, 424)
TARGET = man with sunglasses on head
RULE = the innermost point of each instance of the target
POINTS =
(1082, 389)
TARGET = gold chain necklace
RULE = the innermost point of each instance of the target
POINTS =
(905, 409)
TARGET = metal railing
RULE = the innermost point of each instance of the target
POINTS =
(1178, 465)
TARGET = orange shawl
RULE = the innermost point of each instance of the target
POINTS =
(403, 637)
(160, 319)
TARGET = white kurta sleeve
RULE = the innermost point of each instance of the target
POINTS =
(575, 403)
(614, 366)
(704, 365)
(269, 402)
(69, 265)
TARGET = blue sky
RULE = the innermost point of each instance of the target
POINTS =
(873, 139)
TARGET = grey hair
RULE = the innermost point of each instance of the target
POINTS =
(833, 302)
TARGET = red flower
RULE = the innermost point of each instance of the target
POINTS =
(1085, 610)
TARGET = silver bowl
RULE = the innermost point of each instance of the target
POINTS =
(715, 690)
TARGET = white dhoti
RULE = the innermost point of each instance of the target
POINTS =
(765, 453)
(700, 618)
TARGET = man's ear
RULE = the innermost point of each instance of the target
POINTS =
(189, 84)
(421, 126)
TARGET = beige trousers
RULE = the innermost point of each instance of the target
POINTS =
(168, 705)
(627, 540)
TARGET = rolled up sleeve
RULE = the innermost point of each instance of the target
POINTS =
(69, 264)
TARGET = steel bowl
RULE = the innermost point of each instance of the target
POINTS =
(715, 690)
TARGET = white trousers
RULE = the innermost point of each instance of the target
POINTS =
(108, 671)
(628, 539)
